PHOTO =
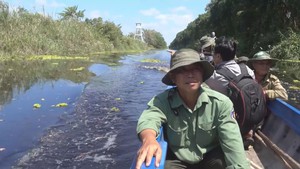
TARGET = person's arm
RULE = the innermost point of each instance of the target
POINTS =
(148, 127)
(230, 137)
(275, 89)
(150, 147)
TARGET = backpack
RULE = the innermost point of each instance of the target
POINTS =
(248, 98)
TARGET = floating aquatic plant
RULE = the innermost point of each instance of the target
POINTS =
(118, 99)
(115, 109)
(296, 81)
(78, 69)
(36, 105)
(51, 57)
(151, 60)
(294, 88)
(61, 105)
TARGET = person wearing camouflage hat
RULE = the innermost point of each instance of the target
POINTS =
(207, 48)
(197, 120)
(261, 63)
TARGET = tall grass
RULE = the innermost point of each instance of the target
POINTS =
(23, 34)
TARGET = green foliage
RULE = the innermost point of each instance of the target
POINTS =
(256, 25)
(72, 13)
(155, 39)
(25, 34)
(288, 47)
(4, 12)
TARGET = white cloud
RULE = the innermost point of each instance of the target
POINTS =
(181, 20)
(150, 12)
(94, 14)
(52, 4)
(169, 23)
(55, 4)
(41, 2)
(179, 9)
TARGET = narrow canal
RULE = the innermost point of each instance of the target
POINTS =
(96, 129)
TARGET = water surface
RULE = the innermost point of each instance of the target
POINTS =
(97, 128)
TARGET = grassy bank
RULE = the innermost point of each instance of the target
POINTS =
(24, 34)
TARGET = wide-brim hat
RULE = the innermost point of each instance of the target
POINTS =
(261, 55)
(184, 57)
(207, 41)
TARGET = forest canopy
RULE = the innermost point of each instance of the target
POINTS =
(272, 26)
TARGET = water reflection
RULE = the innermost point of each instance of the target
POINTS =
(22, 125)
(46, 82)
(18, 77)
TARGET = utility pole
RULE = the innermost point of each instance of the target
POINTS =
(138, 32)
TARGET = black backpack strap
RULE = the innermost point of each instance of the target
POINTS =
(244, 70)
(226, 73)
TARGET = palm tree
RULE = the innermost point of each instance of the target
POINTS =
(71, 13)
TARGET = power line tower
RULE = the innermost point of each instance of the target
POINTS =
(138, 32)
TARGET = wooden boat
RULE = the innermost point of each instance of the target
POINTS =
(277, 145)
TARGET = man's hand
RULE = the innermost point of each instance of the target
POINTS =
(149, 148)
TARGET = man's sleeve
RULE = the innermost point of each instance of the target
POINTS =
(230, 137)
(152, 117)
(276, 90)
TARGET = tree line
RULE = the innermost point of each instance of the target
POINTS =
(270, 25)
(24, 33)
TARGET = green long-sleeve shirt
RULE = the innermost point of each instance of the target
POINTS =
(192, 133)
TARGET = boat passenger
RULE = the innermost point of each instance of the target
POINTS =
(224, 58)
(198, 122)
(261, 63)
(207, 48)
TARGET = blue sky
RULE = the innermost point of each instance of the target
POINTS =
(165, 16)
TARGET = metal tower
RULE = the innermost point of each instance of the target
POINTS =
(138, 32)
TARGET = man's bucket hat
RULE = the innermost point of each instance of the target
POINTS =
(261, 55)
(184, 57)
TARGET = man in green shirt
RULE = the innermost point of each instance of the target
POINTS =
(199, 123)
